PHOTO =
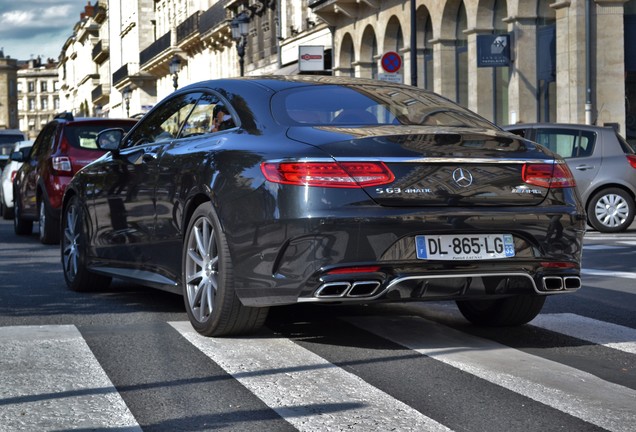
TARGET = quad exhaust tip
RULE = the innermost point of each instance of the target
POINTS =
(356, 289)
(558, 283)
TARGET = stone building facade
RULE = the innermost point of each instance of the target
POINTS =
(38, 95)
(567, 60)
(8, 92)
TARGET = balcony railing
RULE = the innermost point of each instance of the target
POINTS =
(120, 74)
(213, 17)
(157, 47)
(100, 51)
(188, 27)
(100, 91)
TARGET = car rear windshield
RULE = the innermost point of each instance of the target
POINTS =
(369, 105)
(85, 136)
(6, 143)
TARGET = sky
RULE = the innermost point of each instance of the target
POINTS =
(32, 28)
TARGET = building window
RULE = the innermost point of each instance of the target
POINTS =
(43, 86)
(31, 104)
(56, 103)
(44, 103)
(31, 86)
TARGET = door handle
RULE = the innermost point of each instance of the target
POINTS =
(149, 157)
(584, 167)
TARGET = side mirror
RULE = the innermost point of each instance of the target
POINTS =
(109, 139)
(17, 156)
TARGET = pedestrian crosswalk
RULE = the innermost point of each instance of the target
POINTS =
(50, 380)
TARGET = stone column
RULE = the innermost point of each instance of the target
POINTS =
(480, 85)
(609, 66)
(445, 68)
(522, 90)
(570, 61)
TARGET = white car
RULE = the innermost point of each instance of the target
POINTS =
(6, 180)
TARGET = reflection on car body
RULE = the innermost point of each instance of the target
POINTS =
(298, 203)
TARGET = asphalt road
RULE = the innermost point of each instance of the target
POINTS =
(125, 359)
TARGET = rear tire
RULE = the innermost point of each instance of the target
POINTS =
(611, 210)
(73, 251)
(21, 226)
(210, 298)
(7, 212)
(509, 311)
(48, 224)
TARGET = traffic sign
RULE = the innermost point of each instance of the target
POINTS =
(391, 62)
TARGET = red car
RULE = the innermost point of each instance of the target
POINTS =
(63, 147)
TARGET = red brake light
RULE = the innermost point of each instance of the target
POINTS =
(328, 174)
(632, 160)
(349, 270)
(556, 175)
(13, 174)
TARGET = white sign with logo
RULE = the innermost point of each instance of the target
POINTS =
(311, 58)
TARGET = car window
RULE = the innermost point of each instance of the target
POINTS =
(201, 119)
(369, 105)
(568, 143)
(84, 136)
(164, 123)
(44, 141)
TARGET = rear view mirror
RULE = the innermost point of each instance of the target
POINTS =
(109, 139)
(17, 156)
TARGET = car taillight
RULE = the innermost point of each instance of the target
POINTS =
(62, 164)
(328, 174)
(13, 174)
(556, 175)
(632, 160)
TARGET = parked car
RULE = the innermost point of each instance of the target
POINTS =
(62, 147)
(325, 190)
(604, 166)
(8, 137)
(7, 176)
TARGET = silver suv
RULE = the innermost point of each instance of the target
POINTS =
(604, 167)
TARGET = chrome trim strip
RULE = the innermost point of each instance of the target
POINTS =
(445, 276)
(435, 160)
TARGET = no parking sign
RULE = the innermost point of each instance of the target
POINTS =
(391, 63)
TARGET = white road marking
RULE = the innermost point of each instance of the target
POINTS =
(305, 389)
(50, 380)
(608, 273)
(588, 329)
(602, 247)
(567, 389)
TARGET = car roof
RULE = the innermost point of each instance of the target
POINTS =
(556, 126)
(280, 82)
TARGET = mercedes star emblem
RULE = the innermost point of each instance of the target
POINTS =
(462, 177)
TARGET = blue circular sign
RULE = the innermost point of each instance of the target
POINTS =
(391, 62)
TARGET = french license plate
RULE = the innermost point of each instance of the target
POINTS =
(465, 247)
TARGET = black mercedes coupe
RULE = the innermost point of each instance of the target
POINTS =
(243, 194)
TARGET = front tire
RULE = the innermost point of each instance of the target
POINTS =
(73, 251)
(611, 210)
(509, 311)
(210, 298)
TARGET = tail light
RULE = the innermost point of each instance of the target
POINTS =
(546, 175)
(62, 164)
(13, 174)
(328, 174)
(632, 160)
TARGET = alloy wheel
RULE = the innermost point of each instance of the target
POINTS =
(70, 249)
(612, 210)
(202, 269)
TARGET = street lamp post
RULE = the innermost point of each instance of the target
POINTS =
(127, 93)
(175, 65)
(240, 29)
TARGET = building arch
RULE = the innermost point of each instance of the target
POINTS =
(347, 57)
(393, 36)
(425, 58)
(369, 53)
